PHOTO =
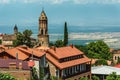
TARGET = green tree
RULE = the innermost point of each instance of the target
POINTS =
(82, 48)
(23, 39)
(34, 74)
(101, 62)
(41, 73)
(95, 78)
(99, 49)
(113, 76)
(65, 34)
(118, 61)
(59, 43)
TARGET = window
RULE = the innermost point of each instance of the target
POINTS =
(115, 58)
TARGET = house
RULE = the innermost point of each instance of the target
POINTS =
(1, 35)
(7, 39)
(116, 55)
(68, 63)
(25, 54)
(16, 68)
(103, 71)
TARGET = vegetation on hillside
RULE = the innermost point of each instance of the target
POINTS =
(97, 50)
(23, 39)
(101, 62)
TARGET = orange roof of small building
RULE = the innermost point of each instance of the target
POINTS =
(2, 48)
(31, 63)
(64, 52)
(118, 66)
(31, 51)
(24, 52)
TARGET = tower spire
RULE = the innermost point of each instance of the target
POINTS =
(15, 29)
(42, 8)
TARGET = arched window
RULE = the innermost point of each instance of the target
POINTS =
(115, 57)
(41, 31)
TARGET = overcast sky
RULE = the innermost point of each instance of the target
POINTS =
(75, 12)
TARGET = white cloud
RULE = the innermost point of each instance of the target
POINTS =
(30, 1)
(96, 1)
(4, 1)
(61, 1)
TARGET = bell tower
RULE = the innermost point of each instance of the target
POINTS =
(43, 37)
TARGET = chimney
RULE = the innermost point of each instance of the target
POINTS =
(71, 45)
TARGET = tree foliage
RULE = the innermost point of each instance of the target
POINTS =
(101, 62)
(113, 76)
(59, 43)
(65, 34)
(118, 61)
(82, 48)
(84, 78)
(34, 74)
(6, 76)
(41, 73)
(99, 50)
(95, 78)
(23, 38)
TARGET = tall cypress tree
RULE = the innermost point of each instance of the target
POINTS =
(65, 34)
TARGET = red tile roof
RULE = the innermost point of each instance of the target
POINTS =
(2, 48)
(68, 63)
(64, 52)
(118, 66)
(24, 52)
(21, 55)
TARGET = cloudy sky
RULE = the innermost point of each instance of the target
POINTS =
(75, 12)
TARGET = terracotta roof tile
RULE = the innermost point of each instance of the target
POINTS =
(64, 52)
(24, 52)
(2, 48)
(21, 55)
(68, 63)
(31, 51)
